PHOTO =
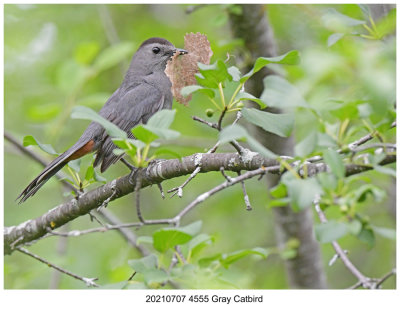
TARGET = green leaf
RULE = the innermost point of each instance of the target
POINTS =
(113, 55)
(30, 140)
(385, 170)
(279, 191)
(236, 132)
(354, 227)
(159, 125)
(367, 236)
(89, 173)
(334, 161)
(385, 232)
(241, 96)
(292, 57)
(325, 140)
(212, 74)
(328, 181)
(144, 264)
(154, 277)
(162, 119)
(301, 192)
(279, 202)
(83, 112)
(333, 38)
(306, 145)
(167, 238)
(192, 228)
(235, 73)
(361, 193)
(143, 134)
(205, 262)
(278, 92)
(163, 133)
(279, 124)
(232, 132)
(334, 19)
(128, 146)
(387, 24)
(330, 231)
(198, 243)
(86, 52)
(365, 9)
(99, 178)
(75, 165)
(227, 259)
(188, 90)
(343, 111)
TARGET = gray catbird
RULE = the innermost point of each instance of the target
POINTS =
(144, 91)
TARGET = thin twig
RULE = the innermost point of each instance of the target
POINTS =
(228, 178)
(208, 123)
(245, 195)
(385, 277)
(375, 145)
(179, 190)
(94, 218)
(202, 197)
(105, 228)
(88, 281)
(365, 281)
(61, 250)
(352, 146)
(219, 124)
(138, 186)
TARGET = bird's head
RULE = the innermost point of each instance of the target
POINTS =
(154, 54)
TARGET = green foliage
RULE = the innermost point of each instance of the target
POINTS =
(193, 263)
(167, 238)
(334, 161)
(343, 88)
(237, 132)
(330, 231)
(30, 140)
(82, 112)
(279, 124)
(291, 58)
(113, 55)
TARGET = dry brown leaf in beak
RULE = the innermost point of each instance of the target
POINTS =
(182, 68)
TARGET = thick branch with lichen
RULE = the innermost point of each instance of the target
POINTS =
(34, 229)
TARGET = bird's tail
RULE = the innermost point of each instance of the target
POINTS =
(76, 151)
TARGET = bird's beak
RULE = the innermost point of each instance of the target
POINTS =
(181, 51)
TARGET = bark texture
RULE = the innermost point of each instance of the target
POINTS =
(32, 230)
(306, 269)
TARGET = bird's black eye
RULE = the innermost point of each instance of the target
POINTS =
(156, 50)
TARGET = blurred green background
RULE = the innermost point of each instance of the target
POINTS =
(49, 52)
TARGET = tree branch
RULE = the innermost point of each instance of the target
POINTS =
(34, 229)
(88, 281)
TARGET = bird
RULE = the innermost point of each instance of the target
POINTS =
(145, 90)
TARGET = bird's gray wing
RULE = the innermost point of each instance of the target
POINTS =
(133, 108)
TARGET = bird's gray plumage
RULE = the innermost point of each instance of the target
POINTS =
(144, 91)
